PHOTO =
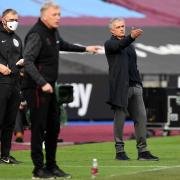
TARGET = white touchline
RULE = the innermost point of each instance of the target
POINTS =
(120, 166)
(151, 166)
(155, 168)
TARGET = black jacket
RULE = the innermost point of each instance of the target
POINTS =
(10, 53)
(41, 54)
(119, 54)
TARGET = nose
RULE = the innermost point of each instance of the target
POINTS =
(58, 18)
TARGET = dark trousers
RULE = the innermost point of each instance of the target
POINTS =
(20, 121)
(9, 103)
(136, 110)
(45, 126)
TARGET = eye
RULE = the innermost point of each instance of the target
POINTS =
(13, 20)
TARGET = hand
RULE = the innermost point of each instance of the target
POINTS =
(47, 88)
(136, 33)
(93, 49)
(20, 62)
(4, 70)
(22, 105)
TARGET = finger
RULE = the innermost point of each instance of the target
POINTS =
(140, 30)
(50, 91)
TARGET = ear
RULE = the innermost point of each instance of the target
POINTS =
(44, 18)
(3, 21)
(112, 31)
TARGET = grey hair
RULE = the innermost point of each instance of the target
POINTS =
(48, 4)
(113, 20)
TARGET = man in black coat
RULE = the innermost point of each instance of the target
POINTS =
(10, 54)
(126, 88)
(41, 55)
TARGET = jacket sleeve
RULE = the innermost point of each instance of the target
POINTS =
(65, 46)
(115, 45)
(21, 49)
(31, 52)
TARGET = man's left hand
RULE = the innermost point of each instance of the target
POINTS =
(20, 62)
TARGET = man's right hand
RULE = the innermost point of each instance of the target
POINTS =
(4, 70)
(136, 33)
(47, 88)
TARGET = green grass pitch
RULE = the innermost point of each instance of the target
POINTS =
(77, 160)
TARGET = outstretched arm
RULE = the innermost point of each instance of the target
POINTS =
(66, 46)
(93, 49)
(114, 45)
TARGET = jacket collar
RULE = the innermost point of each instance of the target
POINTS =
(2, 28)
(114, 37)
(45, 27)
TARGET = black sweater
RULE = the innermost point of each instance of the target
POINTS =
(41, 54)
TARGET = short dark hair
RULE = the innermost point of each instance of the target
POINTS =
(5, 12)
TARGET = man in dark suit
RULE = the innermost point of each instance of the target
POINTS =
(41, 55)
(126, 88)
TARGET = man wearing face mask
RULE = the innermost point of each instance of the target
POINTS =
(10, 54)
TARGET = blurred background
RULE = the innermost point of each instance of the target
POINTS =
(85, 22)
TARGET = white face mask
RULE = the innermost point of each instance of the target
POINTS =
(12, 25)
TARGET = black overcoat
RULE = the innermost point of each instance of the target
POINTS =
(116, 51)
